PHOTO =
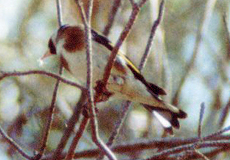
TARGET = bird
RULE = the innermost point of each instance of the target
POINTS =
(125, 81)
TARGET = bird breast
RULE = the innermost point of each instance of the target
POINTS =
(77, 65)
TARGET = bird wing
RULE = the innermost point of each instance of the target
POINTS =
(153, 89)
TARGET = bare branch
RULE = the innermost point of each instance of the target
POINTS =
(120, 41)
(59, 12)
(127, 104)
(71, 123)
(227, 33)
(224, 114)
(109, 65)
(201, 155)
(50, 119)
(76, 139)
(151, 36)
(217, 133)
(118, 125)
(202, 107)
(11, 142)
(93, 118)
(34, 72)
(176, 144)
(112, 14)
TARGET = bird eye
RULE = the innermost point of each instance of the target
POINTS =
(52, 47)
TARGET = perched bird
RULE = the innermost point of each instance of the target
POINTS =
(125, 82)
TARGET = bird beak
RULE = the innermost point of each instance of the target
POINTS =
(47, 54)
(41, 60)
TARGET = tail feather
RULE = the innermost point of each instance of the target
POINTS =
(167, 118)
(182, 114)
(164, 122)
(156, 89)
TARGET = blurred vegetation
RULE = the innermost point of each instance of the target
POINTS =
(24, 101)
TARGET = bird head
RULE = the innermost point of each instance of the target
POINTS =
(66, 40)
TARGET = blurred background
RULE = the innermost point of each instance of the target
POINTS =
(190, 58)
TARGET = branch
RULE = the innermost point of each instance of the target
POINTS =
(54, 96)
(151, 36)
(159, 143)
(13, 144)
(112, 14)
(86, 18)
(124, 34)
(50, 119)
(202, 107)
(34, 72)
(224, 114)
(127, 104)
(70, 125)
(227, 33)
(76, 139)
(59, 12)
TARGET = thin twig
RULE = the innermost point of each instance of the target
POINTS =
(34, 72)
(118, 126)
(224, 114)
(165, 153)
(202, 107)
(70, 126)
(112, 14)
(54, 96)
(201, 155)
(227, 33)
(127, 104)
(157, 143)
(76, 139)
(109, 65)
(59, 12)
(135, 148)
(123, 36)
(13, 144)
(227, 107)
(226, 129)
(50, 119)
(211, 153)
(93, 118)
(151, 36)
(120, 122)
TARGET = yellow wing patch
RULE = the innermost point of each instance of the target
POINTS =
(129, 62)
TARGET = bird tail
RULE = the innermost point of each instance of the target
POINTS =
(166, 117)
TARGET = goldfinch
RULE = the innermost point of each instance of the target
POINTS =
(125, 82)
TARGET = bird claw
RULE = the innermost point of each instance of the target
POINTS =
(102, 94)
